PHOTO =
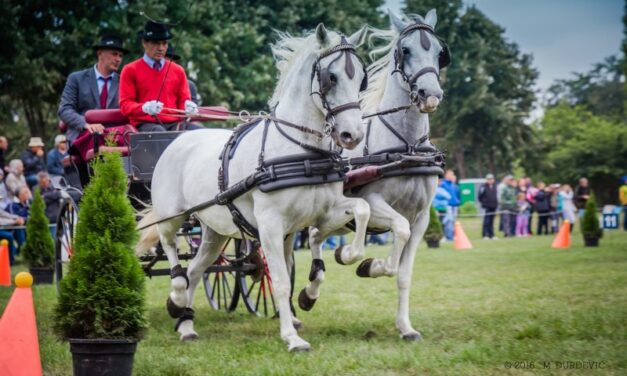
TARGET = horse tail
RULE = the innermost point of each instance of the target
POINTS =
(149, 237)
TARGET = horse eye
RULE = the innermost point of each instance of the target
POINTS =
(333, 78)
(405, 50)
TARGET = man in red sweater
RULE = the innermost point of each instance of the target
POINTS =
(152, 84)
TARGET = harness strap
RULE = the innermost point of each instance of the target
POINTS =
(394, 131)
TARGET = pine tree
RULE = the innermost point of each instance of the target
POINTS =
(434, 230)
(103, 294)
(590, 223)
(38, 251)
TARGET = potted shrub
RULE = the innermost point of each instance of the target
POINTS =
(590, 228)
(101, 304)
(38, 250)
(434, 231)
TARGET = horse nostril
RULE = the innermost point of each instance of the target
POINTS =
(422, 93)
(346, 136)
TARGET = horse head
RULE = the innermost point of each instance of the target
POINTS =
(419, 55)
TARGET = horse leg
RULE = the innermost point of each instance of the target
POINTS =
(288, 253)
(337, 217)
(308, 295)
(383, 215)
(208, 252)
(271, 238)
(405, 270)
(177, 300)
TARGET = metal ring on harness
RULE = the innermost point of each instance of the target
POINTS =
(329, 125)
(244, 116)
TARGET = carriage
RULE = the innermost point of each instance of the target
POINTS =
(240, 274)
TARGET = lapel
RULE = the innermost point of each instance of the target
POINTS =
(113, 91)
(93, 86)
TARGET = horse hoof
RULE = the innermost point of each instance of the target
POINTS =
(363, 270)
(173, 310)
(304, 302)
(305, 347)
(189, 337)
(412, 337)
(338, 255)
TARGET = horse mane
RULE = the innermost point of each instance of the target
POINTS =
(290, 52)
(377, 73)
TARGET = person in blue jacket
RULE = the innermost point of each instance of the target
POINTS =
(450, 185)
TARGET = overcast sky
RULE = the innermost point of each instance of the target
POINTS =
(563, 36)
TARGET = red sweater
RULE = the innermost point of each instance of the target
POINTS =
(139, 84)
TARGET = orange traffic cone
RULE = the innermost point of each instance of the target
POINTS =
(461, 240)
(5, 265)
(19, 348)
(562, 239)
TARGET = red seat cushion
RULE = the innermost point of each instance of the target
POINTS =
(109, 117)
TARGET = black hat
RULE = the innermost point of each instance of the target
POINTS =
(170, 53)
(155, 31)
(112, 42)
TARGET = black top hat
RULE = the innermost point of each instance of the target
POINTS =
(170, 53)
(155, 31)
(112, 42)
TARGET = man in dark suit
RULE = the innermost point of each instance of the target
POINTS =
(92, 88)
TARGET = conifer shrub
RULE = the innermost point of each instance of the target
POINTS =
(434, 230)
(102, 295)
(590, 223)
(38, 250)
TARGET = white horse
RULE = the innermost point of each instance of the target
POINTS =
(404, 89)
(311, 104)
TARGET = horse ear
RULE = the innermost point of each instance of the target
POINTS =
(358, 38)
(396, 22)
(431, 18)
(322, 35)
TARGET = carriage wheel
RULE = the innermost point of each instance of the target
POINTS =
(220, 281)
(66, 225)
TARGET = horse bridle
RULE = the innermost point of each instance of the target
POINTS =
(325, 83)
(399, 59)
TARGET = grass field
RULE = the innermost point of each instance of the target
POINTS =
(512, 306)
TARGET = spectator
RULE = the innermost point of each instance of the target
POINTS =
(15, 179)
(543, 207)
(33, 159)
(56, 155)
(489, 202)
(144, 92)
(441, 204)
(378, 239)
(80, 95)
(52, 197)
(4, 145)
(582, 193)
(22, 207)
(450, 184)
(555, 207)
(507, 205)
(531, 198)
(8, 219)
(622, 195)
(4, 195)
(568, 207)
(523, 214)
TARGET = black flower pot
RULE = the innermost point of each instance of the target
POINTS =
(591, 241)
(102, 357)
(42, 276)
(433, 243)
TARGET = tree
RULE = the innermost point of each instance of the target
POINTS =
(38, 251)
(488, 90)
(103, 294)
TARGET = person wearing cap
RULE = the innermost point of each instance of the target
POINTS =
(56, 155)
(193, 90)
(489, 202)
(33, 159)
(92, 88)
(151, 85)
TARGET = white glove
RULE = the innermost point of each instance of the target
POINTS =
(65, 194)
(152, 107)
(191, 108)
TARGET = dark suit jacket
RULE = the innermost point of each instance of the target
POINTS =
(81, 94)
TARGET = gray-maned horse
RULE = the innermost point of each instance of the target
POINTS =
(407, 74)
(187, 174)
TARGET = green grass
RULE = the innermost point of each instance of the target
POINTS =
(510, 300)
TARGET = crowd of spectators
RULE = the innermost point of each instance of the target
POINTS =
(18, 179)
